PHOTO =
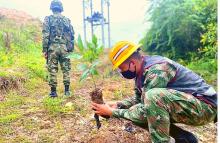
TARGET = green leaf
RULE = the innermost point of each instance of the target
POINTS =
(90, 46)
(100, 50)
(90, 56)
(94, 40)
(94, 64)
(82, 67)
(84, 75)
(74, 56)
(93, 71)
(80, 44)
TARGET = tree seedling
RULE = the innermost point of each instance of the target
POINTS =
(89, 54)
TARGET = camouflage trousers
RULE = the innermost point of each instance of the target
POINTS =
(58, 54)
(162, 107)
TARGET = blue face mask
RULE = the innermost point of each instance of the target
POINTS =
(129, 74)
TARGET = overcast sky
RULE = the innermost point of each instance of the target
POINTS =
(127, 17)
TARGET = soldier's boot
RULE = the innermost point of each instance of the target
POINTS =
(67, 90)
(182, 136)
(53, 92)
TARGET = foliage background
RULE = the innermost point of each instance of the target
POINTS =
(185, 31)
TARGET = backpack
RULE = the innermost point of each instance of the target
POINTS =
(61, 31)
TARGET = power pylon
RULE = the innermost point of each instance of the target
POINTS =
(96, 18)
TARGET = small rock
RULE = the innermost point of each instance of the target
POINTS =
(69, 104)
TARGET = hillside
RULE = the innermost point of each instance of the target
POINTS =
(19, 17)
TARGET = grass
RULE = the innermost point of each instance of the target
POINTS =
(9, 109)
(12, 101)
(34, 83)
(59, 105)
(9, 118)
(46, 138)
(30, 124)
(21, 139)
(5, 130)
(59, 126)
(206, 68)
(53, 105)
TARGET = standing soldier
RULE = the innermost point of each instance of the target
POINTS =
(58, 42)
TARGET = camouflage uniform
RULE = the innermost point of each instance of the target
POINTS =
(158, 106)
(56, 38)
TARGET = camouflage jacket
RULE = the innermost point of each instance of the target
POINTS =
(48, 31)
(156, 76)
(160, 72)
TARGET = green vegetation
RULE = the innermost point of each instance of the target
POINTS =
(89, 55)
(56, 106)
(20, 50)
(9, 110)
(9, 118)
(186, 31)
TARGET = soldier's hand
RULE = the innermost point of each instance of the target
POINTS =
(102, 109)
(113, 105)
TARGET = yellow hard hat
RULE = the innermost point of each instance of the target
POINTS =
(121, 51)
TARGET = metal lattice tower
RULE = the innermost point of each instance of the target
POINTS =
(96, 19)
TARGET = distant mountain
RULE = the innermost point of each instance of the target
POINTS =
(15, 23)
(20, 17)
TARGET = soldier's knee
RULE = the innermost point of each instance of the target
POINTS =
(52, 68)
(154, 95)
(153, 92)
(66, 65)
(66, 68)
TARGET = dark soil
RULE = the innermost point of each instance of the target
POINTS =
(115, 133)
(96, 96)
(7, 83)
